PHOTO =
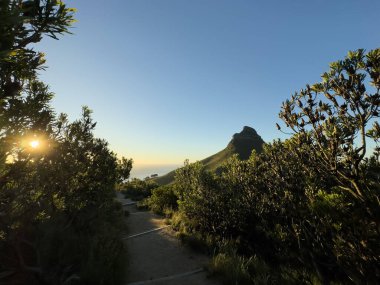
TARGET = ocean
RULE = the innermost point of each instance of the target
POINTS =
(147, 170)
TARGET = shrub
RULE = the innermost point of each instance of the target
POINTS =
(163, 200)
(236, 269)
(137, 189)
(308, 205)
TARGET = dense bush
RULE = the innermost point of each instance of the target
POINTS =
(307, 208)
(163, 200)
(137, 189)
(59, 223)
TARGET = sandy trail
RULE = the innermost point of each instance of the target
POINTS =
(157, 257)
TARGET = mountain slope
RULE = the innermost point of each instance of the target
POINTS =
(242, 144)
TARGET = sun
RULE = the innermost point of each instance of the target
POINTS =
(34, 144)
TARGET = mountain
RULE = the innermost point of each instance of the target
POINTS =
(241, 144)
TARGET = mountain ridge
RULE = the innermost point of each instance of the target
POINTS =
(242, 144)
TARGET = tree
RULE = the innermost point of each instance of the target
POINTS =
(137, 189)
(23, 99)
(124, 167)
(21, 24)
(333, 117)
(59, 222)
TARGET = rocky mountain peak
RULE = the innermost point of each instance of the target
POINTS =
(244, 142)
(247, 132)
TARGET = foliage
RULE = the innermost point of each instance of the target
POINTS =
(307, 209)
(234, 269)
(63, 199)
(195, 241)
(23, 23)
(59, 223)
(333, 117)
(137, 189)
(124, 167)
(237, 269)
(163, 200)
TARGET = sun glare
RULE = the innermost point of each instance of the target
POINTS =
(34, 144)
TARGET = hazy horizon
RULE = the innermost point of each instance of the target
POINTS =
(142, 171)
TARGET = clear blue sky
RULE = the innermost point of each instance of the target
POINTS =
(175, 79)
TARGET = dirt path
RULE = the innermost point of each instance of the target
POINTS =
(156, 256)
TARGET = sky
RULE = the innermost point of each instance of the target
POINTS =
(174, 79)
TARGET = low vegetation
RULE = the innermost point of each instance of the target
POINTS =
(305, 210)
(163, 200)
(301, 211)
(137, 189)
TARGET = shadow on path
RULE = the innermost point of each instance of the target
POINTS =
(157, 257)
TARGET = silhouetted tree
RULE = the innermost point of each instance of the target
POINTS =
(59, 222)
(333, 117)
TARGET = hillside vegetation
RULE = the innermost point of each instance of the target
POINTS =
(304, 210)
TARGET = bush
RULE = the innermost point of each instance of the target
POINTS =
(196, 241)
(163, 200)
(137, 189)
(308, 205)
(236, 269)
(59, 223)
